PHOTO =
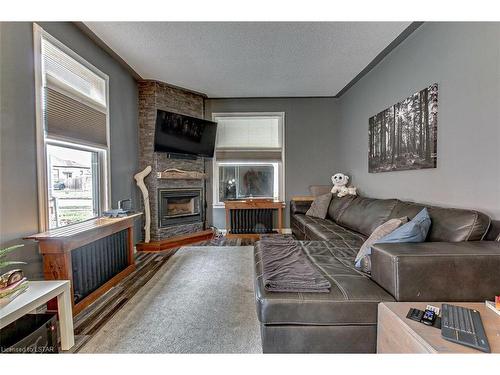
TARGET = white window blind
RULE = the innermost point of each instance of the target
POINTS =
(248, 133)
(74, 98)
(73, 120)
(65, 73)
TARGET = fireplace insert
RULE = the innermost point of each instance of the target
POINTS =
(179, 206)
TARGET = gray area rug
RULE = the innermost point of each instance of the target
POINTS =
(201, 301)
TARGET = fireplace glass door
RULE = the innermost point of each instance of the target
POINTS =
(179, 206)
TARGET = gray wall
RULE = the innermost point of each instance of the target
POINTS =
(310, 125)
(18, 182)
(464, 59)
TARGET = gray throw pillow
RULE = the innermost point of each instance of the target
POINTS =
(319, 207)
(363, 259)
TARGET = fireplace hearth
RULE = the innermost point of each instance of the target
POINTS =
(179, 206)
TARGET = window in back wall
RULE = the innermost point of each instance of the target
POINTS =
(72, 134)
(249, 156)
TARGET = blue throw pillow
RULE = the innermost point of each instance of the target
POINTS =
(413, 231)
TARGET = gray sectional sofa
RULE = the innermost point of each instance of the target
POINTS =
(454, 264)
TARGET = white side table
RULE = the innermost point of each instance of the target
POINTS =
(37, 294)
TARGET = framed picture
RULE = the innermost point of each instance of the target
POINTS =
(404, 136)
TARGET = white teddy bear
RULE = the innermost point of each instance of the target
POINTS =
(340, 181)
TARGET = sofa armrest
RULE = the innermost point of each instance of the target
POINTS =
(438, 271)
(299, 206)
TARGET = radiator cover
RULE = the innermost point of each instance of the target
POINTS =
(251, 220)
(97, 262)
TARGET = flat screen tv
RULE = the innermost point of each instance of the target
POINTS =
(179, 134)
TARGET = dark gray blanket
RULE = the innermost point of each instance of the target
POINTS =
(286, 268)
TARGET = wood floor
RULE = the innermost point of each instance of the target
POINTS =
(88, 323)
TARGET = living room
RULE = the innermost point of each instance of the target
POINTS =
(250, 187)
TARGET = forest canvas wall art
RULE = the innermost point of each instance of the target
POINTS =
(404, 136)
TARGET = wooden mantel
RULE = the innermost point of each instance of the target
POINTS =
(179, 174)
(56, 246)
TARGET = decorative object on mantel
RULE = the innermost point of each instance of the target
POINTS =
(179, 174)
(13, 282)
(404, 136)
(139, 178)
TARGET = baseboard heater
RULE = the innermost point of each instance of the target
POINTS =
(244, 221)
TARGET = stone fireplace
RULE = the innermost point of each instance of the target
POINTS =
(177, 203)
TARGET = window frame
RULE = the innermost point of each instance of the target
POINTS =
(42, 140)
(281, 163)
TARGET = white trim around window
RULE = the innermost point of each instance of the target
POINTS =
(41, 136)
(279, 182)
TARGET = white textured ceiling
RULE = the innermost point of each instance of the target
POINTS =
(250, 59)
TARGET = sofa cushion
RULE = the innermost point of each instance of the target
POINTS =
(447, 224)
(315, 228)
(363, 215)
(415, 230)
(353, 297)
(319, 207)
(338, 205)
(301, 220)
(334, 232)
(362, 260)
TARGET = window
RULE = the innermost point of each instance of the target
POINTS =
(249, 156)
(74, 185)
(242, 180)
(72, 134)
